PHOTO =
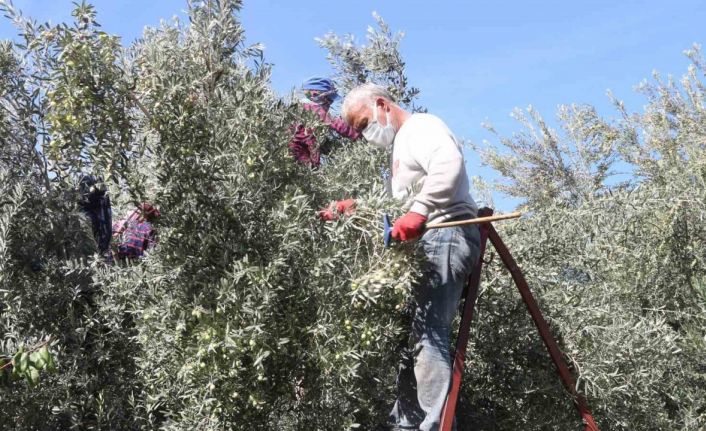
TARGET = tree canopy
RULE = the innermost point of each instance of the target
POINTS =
(252, 314)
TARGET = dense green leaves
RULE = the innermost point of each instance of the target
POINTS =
(619, 267)
(252, 314)
(27, 364)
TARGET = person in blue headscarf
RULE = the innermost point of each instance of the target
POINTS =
(320, 94)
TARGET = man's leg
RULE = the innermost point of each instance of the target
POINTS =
(425, 372)
(452, 254)
(406, 412)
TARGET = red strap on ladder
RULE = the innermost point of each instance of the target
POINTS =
(487, 231)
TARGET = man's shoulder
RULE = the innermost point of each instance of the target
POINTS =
(424, 126)
(426, 120)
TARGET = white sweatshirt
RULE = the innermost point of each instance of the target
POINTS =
(428, 171)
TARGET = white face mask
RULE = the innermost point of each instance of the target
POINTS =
(381, 137)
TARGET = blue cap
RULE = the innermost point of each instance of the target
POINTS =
(324, 85)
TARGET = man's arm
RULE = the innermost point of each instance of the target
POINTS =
(443, 162)
(436, 152)
(343, 129)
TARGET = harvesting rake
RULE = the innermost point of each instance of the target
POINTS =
(487, 231)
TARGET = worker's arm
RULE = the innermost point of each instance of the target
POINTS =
(442, 160)
(436, 151)
(343, 129)
(337, 124)
(344, 207)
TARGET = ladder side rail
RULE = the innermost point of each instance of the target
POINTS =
(543, 328)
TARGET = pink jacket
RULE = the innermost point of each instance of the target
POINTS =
(303, 145)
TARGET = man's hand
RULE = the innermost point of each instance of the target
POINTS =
(327, 214)
(408, 227)
(331, 213)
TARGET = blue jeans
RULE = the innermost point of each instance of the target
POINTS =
(425, 372)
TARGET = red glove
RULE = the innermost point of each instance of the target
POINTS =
(331, 213)
(327, 215)
(346, 207)
(408, 227)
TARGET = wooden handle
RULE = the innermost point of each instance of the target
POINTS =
(476, 220)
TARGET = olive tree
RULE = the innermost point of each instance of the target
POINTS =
(250, 313)
(619, 267)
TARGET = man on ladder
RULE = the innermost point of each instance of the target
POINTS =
(425, 157)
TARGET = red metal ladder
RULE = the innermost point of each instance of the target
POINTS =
(487, 231)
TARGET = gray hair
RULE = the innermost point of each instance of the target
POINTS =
(365, 93)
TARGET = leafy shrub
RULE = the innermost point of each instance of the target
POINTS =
(252, 314)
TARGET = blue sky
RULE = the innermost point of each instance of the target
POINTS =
(474, 61)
